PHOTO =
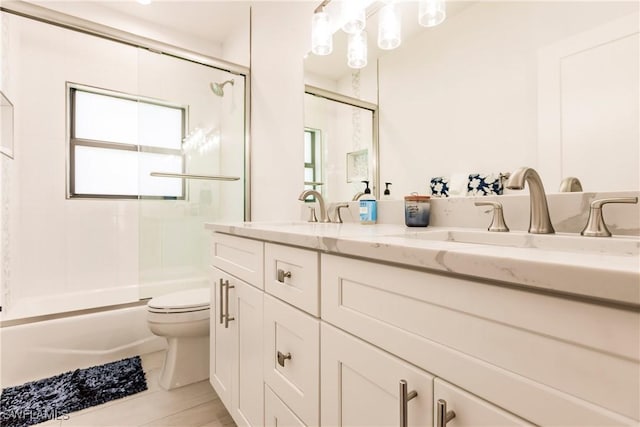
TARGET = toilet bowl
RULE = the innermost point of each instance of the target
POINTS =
(183, 319)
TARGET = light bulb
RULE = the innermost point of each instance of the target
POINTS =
(321, 36)
(357, 50)
(389, 27)
(353, 14)
(431, 12)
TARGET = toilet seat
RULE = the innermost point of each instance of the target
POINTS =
(192, 300)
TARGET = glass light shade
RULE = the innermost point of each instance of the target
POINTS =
(389, 27)
(353, 14)
(357, 50)
(321, 36)
(431, 12)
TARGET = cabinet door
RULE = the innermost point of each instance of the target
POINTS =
(222, 353)
(276, 413)
(361, 384)
(292, 358)
(248, 388)
(470, 410)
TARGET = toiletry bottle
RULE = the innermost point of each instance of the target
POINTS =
(368, 206)
(387, 193)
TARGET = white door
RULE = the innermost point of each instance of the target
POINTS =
(223, 343)
(469, 410)
(248, 388)
(361, 384)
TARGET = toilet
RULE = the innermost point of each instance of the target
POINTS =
(183, 319)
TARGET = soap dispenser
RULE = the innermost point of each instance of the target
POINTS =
(387, 193)
(368, 206)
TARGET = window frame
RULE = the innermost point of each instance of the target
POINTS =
(73, 142)
(316, 163)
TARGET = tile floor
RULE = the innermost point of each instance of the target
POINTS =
(195, 405)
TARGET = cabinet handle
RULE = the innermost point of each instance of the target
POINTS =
(405, 397)
(227, 318)
(221, 311)
(282, 358)
(442, 415)
(283, 275)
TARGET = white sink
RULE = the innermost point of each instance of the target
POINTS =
(617, 245)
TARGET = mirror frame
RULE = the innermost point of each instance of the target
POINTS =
(354, 102)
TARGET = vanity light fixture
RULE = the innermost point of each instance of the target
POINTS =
(353, 16)
(431, 12)
(389, 25)
(357, 50)
(321, 34)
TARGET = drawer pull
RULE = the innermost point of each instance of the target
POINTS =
(283, 275)
(442, 415)
(405, 397)
(220, 298)
(227, 318)
(282, 358)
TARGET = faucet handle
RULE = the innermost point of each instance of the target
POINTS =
(497, 222)
(338, 218)
(596, 227)
(312, 214)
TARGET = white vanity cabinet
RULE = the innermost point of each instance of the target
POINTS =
(361, 385)
(292, 330)
(236, 329)
(321, 339)
(547, 359)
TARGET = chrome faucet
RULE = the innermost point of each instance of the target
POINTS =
(318, 196)
(539, 220)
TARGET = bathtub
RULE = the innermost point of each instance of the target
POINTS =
(44, 348)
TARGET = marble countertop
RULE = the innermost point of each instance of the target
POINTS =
(558, 263)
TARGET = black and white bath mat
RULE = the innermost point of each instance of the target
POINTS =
(56, 397)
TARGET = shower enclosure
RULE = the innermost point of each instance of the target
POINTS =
(124, 148)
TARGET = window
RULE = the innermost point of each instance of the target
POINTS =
(312, 156)
(117, 140)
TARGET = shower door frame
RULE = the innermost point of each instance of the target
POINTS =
(42, 14)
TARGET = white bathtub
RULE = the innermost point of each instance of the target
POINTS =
(45, 348)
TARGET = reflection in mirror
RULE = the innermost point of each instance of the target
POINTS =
(340, 144)
(499, 85)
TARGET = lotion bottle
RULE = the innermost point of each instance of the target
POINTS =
(368, 206)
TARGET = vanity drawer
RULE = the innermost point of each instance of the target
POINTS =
(291, 274)
(240, 257)
(520, 350)
(276, 413)
(292, 358)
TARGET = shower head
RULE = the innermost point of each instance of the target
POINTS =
(217, 88)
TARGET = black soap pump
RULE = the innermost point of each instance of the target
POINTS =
(387, 193)
(367, 190)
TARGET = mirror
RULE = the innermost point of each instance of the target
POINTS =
(498, 85)
(340, 144)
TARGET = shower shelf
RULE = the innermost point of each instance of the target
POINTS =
(190, 176)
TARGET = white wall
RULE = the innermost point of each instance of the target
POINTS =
(280, 38)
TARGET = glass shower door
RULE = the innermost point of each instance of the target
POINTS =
(173, 245)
